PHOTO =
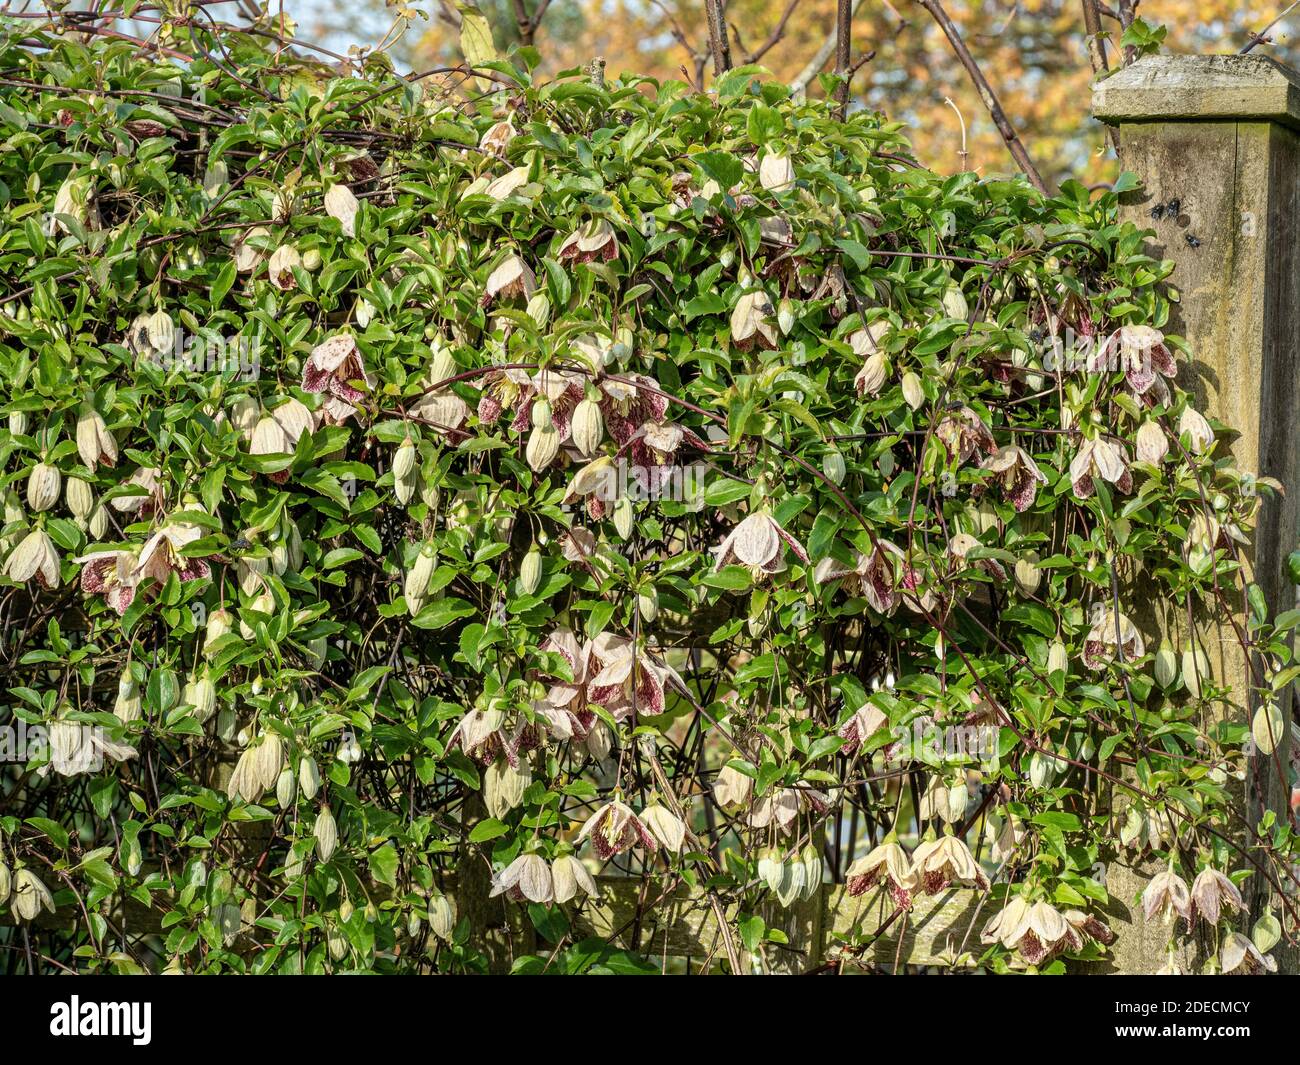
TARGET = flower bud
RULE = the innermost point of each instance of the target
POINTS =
(624, 516)
(647, 602)
(443, 365)
(1166, 665)
(161, 331)
(43, 486)
(785, 317)
(543, 446)
(539, 309)
(1028, 575)
(833, 465)
(954, 302)
(219, 624)
(530, 571)
(1267, 725)
(588, 427)
(1196, 670)
(79, 497)
(504, 786)
(18, 422)
(1058, 659)
(308, 777)
(416, 586)
(404, 460)
(201, 694)
(129, 706)
(97, 526)
(326, 832)
(5, 883)
(286, 787)
(1152, 445)
(442, 915)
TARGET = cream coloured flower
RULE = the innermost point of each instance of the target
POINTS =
(731, 787)
(95, 443)
(1103, 457)
(1199, 435)
(527, 877)
(1037, 931)
(757, 543)
(341, 204)
(569, 876)
(615, 828)
(511, 277)
(937, 863)
(886, 864)
(1110, 637)
(753, 319)
(30, 895)
(34, 557)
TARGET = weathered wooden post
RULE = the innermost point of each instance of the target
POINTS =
(1219, 138)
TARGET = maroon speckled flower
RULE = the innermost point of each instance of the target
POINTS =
(336, 367)
(614, 828)
(1017, 473)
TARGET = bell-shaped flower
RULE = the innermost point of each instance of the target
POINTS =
(1037, 931)
(731, 787)
(34, 556)
(594, 241)
(614, 828)
(1211, 892)
(527, 877)
(757, 543)
(336, 368)
(1166, 895)
(781, 806)
(1110, 637)
(569, 876)
(937, 863)
(886, 864)
(112, 574)
(1143, 356)
(875, 576)
(625, 679)
(1103, 457)
(1199, 435)
(1017, 473)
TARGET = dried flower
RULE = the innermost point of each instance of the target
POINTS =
(1166, 894)
(1240, 957)
(1211, 890)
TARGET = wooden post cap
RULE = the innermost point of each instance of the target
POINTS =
(1205, 87)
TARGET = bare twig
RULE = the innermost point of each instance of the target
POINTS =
(843, 45)
(1262, 36)
(719, 44)
(799, 86)
(1008, 133)
(773, 38)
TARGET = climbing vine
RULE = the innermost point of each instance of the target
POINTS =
(439, 501)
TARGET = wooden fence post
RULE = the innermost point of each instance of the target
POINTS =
(1218, 138)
